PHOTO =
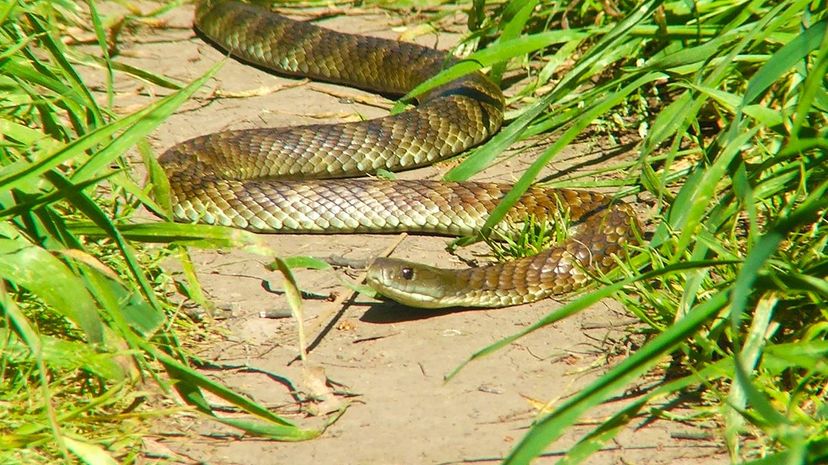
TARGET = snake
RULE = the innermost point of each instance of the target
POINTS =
(301, 179)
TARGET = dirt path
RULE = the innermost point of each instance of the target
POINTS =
(392, 359)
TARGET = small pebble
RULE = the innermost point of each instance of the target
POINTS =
(491, 389)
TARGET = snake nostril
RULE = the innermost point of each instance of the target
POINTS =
(407, 273)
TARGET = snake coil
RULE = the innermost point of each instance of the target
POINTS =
(269, 180)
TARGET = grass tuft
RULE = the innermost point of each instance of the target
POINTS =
(723, 106)
(87, 316)
(728, 104)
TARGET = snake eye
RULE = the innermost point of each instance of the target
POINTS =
(407, 273)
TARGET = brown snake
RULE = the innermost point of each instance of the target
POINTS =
(251, 178)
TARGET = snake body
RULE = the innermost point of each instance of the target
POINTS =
(263, 179)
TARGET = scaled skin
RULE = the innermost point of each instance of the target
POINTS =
(255, 179)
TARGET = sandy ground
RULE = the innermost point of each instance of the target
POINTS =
(389, 359)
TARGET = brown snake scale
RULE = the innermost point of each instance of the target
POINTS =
(258, 179)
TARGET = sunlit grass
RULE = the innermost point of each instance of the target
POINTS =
(726, 103)
(735, 268)
(85, 305)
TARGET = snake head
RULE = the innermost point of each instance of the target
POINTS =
(409, 283)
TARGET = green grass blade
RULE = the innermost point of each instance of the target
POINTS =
(90, 453)
(138, 128)
(192, 381)
(100, 35)
(513, 20)
(25, 264)
(784, 59)
(610, 428)
(529, 175)
(294, 298)
(688, 220)
(58, 54)
(553, 425)
(496, 53)
(141, 123)
(196, 235)
(581, 303)
(482, 157)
